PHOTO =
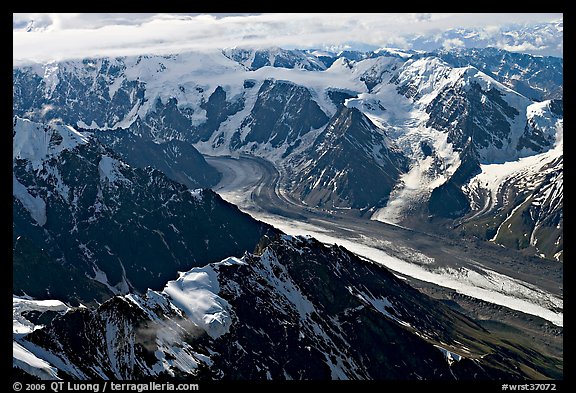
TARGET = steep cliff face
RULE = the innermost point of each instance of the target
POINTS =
(177, 159)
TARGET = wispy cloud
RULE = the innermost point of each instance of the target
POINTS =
(62, 36)
(452, 43)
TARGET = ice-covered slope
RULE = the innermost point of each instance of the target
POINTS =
(450, 121)
(37, 143)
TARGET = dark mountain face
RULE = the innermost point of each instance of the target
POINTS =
(351, 164)
(127, 228)
(77, 91)
(282, 114)
(37, 272)
(293, 310)
(218, 109)
(178, 160)
(477, 115)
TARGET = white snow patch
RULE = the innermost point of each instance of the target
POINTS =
(382, 305)
(114, 86)
(50, 78)
(507, 218)
(450, 356)
(197, 194)
(129, 118)
(92, 126)
(36, 142)
(109, 171)
(20, 325)
(30, 363)
(101, 277)
(60, 363)
(196, 293)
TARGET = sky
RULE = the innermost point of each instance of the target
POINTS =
(57, 36)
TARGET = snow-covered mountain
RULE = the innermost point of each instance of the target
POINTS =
(84, 217)
(526, 194)
(293, 309)
(278, 57)
(538, 78)
(447, 116)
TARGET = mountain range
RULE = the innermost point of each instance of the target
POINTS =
(112, 196)
(439, 121)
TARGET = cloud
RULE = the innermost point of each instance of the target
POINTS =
(523, 47)
(453, 43)
(166, 332)
(63, 36)
(423, 17)
(90, 21)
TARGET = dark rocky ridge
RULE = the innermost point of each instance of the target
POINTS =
(282, 114)
(352, 164)
(138, 228)
(300, 310)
